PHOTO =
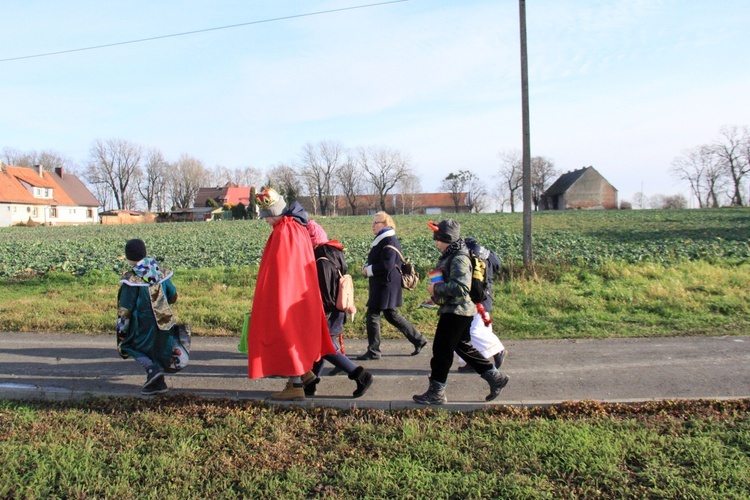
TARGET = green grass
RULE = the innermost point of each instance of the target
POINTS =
(610, 300)
(188, 447)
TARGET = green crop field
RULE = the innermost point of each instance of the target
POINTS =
(584, 238)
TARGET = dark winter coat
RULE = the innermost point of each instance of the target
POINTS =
(452, 294)
(328, 280)
(385, 265)
(330, 261)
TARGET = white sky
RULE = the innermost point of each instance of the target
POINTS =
(622, 85)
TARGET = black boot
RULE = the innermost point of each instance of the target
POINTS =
(363, 380)
(496, 380)
(435, 395)
(499, 358)
(311, 387)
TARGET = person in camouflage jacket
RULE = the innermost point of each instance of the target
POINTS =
(449, 288)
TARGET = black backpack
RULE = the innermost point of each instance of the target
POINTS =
(480, 286)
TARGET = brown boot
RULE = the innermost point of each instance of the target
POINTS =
(290, 393)
(309, 378)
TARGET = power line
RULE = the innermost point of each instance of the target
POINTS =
(186, 33)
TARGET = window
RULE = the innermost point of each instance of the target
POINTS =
(53, 211)
(36, 212)
(42, 192)
(89, 214)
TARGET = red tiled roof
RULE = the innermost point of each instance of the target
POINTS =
(231, 193)
(239, 194)
(12, 187)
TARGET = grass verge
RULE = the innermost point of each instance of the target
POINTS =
(190, 447)
(610, 300)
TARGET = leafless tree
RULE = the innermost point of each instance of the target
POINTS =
(410, 187)
(14, 157)
(286, 180)
(511, 175)
(676, 201)
(543, 172)
(478, 197)
(731, 148)
(656, 201)
(48, 159)
(103, 193)
(640, 200)
(319, 164)
(383, 168)
(116, 163)
(242, 176)
(248, 176)
(153, 181)
(690, 167)
(701, 168)
(188, 175)
(218, 176)
(350, 178)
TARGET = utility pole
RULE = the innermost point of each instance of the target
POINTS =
(527, 243)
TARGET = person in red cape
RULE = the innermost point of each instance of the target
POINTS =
(288, 331)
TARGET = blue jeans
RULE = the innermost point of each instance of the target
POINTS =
(338, 360)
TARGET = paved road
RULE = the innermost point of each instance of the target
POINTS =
(70, 366)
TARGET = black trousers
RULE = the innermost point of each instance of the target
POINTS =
(453, 335)
(372, 321)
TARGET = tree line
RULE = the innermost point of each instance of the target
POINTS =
(717, 171)
(127, 176)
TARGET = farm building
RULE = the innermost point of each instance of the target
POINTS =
(230, 193)
(34, 196)
(580, 189)
(197, 214)
(116, 217)
(395, 204)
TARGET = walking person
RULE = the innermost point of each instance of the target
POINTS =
(456, 310)
(483, 338)
(383, 270)
(145, 322)
(288, 331)
(331, 265)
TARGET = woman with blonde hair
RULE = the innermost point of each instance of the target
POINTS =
(383, 268)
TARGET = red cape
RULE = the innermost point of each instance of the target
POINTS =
(288, 330)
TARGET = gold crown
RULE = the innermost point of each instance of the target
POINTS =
(267, 197)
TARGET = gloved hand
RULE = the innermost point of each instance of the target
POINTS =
(484, 314)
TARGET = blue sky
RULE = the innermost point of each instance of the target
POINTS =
(622, 85)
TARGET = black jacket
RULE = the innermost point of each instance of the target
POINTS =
(385, 282)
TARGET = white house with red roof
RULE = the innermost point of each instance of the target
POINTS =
(32, 195)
